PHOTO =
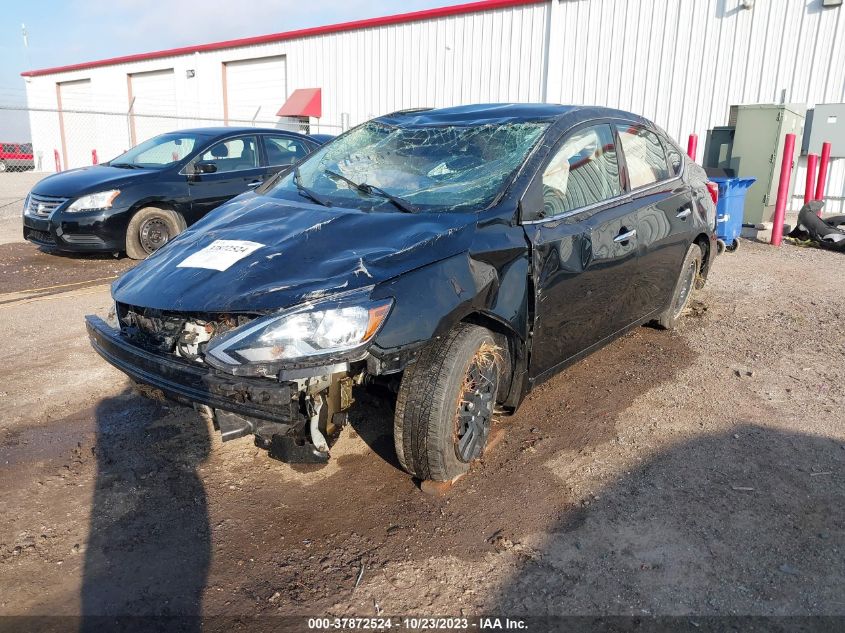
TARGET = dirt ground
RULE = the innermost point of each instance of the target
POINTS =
(700, 472)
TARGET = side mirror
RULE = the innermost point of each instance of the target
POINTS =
(204, 168)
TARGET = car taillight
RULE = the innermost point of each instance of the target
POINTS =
(713, 188)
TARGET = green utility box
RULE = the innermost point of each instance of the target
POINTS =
(757, 152)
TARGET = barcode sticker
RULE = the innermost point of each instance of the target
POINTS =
(220, 254)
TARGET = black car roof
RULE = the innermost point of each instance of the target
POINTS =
(489, 113)
(226, 131)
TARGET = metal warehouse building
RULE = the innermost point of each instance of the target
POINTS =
(682, 63)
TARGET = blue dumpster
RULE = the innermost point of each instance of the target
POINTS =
(730, 208)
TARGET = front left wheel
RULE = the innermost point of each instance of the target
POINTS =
(444, 409)
(150, 229)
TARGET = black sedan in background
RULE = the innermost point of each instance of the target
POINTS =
(140, 200)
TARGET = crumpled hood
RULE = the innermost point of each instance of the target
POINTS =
(77, 182)
(306, 252)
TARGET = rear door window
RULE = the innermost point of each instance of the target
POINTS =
(284, 150)
(644, 156)
(583, 172)
(673, 156)
(234, 154)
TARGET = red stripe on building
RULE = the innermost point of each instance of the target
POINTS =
(402, 18)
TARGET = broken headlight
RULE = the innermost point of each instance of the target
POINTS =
(337, 330)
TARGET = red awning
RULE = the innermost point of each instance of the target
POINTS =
(303, 102)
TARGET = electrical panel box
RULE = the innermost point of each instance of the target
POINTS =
(826, 124)
(757, 152)
(719, 147)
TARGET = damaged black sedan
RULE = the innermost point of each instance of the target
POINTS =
(464, 255)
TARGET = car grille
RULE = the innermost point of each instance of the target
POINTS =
(43, 206)
(160, 330)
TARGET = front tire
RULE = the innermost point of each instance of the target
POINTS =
(2, 166)
(150, 229)
(444, 409)
(684, 287)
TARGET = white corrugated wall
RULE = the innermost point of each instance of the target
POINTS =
(681, 63)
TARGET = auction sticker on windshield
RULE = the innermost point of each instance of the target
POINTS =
(220, 254)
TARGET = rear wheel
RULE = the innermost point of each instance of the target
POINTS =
(684, 287)
(732, 246)
(2, 166)
(150, 229)
(444, 409)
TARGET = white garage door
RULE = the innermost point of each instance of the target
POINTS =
(78, 126)
(255, 85)
(155, 100)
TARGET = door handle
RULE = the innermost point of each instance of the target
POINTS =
(624, 237)
(254, 183)
(683, 213)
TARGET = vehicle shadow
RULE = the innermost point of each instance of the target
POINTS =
(748, 522)
(149, 543)
(372, 419)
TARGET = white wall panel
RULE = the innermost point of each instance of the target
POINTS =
(255, 88)
(153, 96)
(78, 125)
(685, 62)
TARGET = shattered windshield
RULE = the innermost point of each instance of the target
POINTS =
(379, 166)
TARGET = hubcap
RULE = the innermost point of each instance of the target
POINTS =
(686, 288)
(154, 234)
(475, 408)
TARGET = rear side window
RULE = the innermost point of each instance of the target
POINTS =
(673, 156)
(8, 149)
(644, 156)
(283, 150)
(584, 171)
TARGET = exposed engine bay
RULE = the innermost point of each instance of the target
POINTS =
(313, 408)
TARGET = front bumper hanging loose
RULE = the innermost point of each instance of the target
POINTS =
(190, 383)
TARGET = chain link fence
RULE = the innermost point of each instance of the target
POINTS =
(64, 138)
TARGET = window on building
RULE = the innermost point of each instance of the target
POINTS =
(644, 156)
(234, 154)
(584, 171)
(284, 150)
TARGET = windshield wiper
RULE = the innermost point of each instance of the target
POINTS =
(306, 191)
(369, 190)
(125, 165)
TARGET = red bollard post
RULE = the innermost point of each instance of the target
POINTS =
(825, 159)
(783, 189)
(94, 159)
(810, 186)
(58, 160)
(692, 146)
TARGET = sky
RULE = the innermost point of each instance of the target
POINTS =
(73, 31)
